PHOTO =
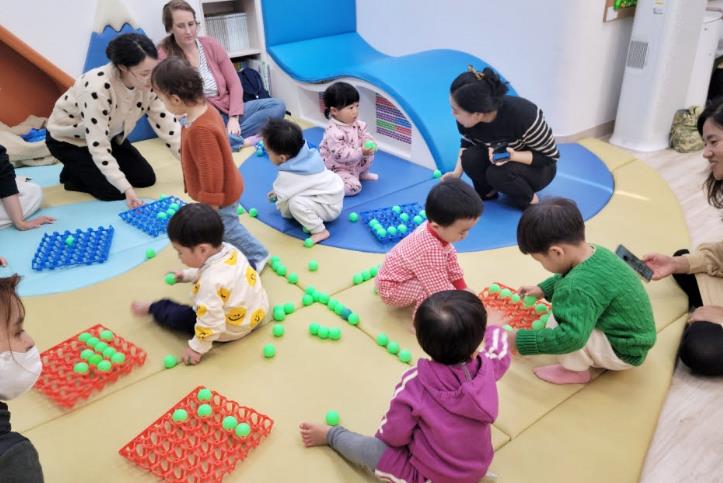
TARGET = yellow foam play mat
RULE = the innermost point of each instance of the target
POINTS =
(545, 433)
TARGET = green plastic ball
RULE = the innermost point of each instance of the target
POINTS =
(405, 356)
(308, 243)
(108, 352)
(180, 415)
(104, 366)
(334, 333)
(305, 230)
(324, 298)
(170, 361)
(339, 309)
(162, 197)
(381, 232)
(95, 359)
(174, 206)
(293, 278)
(545, 317)
(92, 342)
(313, 265)
(374, 270)
(69, 240)
(323, 332)
(540, 308)
(118, 358)
(170, 212)
(515, 298)
(538, 325)
(106, 335)
(307, 300)
(382, 339)
(243, 430)
(393, 347)
(505, 293)
(366, 275)
(332, 304)
(309, 290)
(314, 328)
(404, 217)
(282, 270)
(402, 229)
(417, 220)
(529, 300)
(84, 337)
(100, 347)
(508, 328)
(269, 351)
(494, 288)
(170, 278)
(253, 212)
(161, 215)
(240, 210)
(289, 308)
(353, 216)
(437, 174)
(85, 355)
(353, 318)
(423, 214)
(357, 278)
(229, 423)
(80, 368)
(370, 145)
(279, 313)
(397, 209)
(150, 253)
(392, 231)
(204, 410)
(204, 394)
(332, 418)
(278, 330)
(275, 259)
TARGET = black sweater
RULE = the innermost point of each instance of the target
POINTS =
(7, 175)
(19, 462)
(521, 125)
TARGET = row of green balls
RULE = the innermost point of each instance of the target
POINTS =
(331, 333)
(103, 351)
(229, 423)
(365, 275)
(393, 348)
(253, 212)
(527, 301)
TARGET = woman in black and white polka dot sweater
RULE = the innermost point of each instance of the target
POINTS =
(89, 127)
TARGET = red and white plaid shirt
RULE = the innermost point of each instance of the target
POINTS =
(423, 256)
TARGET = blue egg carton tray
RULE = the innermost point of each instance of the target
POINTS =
(152, 218)
(395, 222)
(87, 247)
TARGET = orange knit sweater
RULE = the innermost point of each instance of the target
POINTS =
(209, 173)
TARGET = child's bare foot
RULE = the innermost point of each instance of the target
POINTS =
(321, 236)
(557, 374)
(313, 434)
(140, 308)
(369, 176)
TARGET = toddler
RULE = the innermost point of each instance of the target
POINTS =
(347, 147)
(601, 313)
(304, 189)
(438, 424)
(228, 299)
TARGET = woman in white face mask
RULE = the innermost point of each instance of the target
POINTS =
(20, 367)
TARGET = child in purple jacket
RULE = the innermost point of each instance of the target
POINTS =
(438, 424)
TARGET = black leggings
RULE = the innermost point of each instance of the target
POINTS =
(174, 316)
(80, 172)
(701, 348)
(518, 181)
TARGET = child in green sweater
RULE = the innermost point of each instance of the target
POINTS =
(601, 313)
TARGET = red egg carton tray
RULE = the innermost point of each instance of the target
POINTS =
(197, 449)
(518, 315)
(65, 387)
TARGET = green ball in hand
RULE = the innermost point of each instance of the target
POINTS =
(170, 278)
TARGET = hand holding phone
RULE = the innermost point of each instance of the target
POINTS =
(499, 155)
(635, 263)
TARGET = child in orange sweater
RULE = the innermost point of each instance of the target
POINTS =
(209, 173)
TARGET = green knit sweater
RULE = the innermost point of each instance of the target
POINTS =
(600, 293)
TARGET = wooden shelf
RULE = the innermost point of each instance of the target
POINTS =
(243, 53)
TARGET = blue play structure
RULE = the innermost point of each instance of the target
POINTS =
(152, 218)
(581, 176)
(71, 248)
(96, 57)
(317, 41)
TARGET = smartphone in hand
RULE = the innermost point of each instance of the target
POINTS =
(499, 153)
(635, 263)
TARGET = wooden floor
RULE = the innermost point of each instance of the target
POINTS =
(688, 443)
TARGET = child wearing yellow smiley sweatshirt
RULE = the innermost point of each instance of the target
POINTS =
(228, 299)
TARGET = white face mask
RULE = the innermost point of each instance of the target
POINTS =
(18, 372)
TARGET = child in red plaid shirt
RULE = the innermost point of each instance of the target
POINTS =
(425, 262)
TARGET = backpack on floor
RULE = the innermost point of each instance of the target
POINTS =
(684, 136)
(252, 84)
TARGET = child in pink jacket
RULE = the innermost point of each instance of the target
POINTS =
(347, 147)
(438, 424)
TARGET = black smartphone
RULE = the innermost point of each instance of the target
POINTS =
(499, 153)
(635, 263)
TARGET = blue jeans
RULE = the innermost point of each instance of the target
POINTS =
(237, 235)
(256, 113)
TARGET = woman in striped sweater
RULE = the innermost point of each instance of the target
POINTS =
(489, 119)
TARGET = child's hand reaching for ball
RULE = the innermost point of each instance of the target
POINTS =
(532, 290)
(191, 357)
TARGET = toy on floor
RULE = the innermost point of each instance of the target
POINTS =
(332, 418)
(394, 223)
(520, 312)
(260, 151)
(197, 440)
(67, 249)
(152, 218)
(86, 363)
(331, 333)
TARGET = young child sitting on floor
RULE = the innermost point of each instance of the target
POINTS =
(209, 173)
(601, 313)
(437, 427)
(228, 299)
(304, 189)
(347, 147)
(425, 261)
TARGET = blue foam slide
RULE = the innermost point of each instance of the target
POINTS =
(581, 176)
(127, 250)
(316, 41)
(41, 175)
(96, 57)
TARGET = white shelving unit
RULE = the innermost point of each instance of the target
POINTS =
(213, 8)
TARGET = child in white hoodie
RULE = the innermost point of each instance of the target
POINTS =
(304, 189)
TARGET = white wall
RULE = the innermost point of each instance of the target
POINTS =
(557, 53)
(62, 31)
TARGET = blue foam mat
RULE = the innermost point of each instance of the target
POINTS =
(127, 250)
(42, 175)
(581, 176)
